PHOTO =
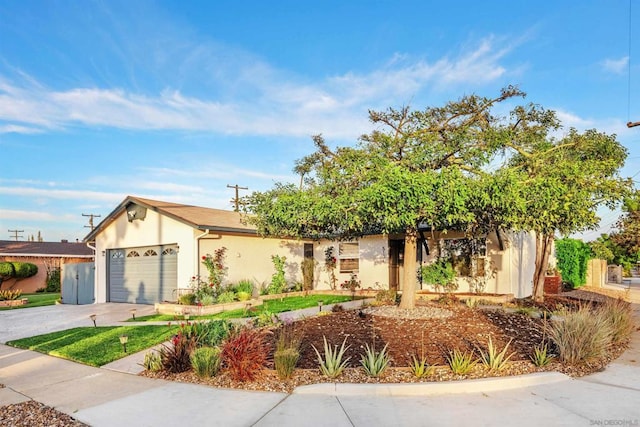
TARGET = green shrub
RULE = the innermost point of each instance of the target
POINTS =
(493, 359)
(580, 336)
(440, 274)
(53, 280)
(244, 353)
(205, 361)
(7, 271)
(461, 363)
(573, 256)
(152, 361)
(332, 364)
(243, 296)
(187, 299)
(266, 318)
(214, 332)
(24, 269)
(206, 299)
(245, 285)
(226, 297)
(373, 362)
(278, 281)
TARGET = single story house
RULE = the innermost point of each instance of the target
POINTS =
(47, 256)
(147, 250)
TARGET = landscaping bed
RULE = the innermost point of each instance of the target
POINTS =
(442, 329)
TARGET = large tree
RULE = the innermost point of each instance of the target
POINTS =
(628, 234)
(563, 183)
(439, 167)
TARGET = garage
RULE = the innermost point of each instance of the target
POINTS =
(143, 275)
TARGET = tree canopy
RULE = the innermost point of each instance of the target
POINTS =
(460, 166)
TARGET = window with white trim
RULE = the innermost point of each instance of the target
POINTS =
(349, 257)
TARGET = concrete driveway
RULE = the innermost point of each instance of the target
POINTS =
(28, 322)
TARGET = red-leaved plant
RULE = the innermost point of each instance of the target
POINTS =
(245, 352)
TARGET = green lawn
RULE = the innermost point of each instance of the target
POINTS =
(96, 346)
(273, 306)
(36, 300)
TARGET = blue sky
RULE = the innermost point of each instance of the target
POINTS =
(174, 100)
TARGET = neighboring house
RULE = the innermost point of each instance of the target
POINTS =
(147, 250)
(46, 255)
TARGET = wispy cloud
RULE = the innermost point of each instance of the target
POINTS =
(52, 193)
(616, 66)
(282, 105)
(22, 215)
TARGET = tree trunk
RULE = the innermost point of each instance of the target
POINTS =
(544, 243)
(408, 300)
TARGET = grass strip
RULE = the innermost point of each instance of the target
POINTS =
(36, 300)
(96, 346)
(274, 306)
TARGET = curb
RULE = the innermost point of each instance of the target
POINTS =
(433, 389)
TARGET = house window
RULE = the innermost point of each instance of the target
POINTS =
(468, 256)
(169, 251)
(133, 254)
(151, 252)
(117, 254)
(349, 257)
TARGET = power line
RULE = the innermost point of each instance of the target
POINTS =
(15, 234)
(236, 200)
(90, 216)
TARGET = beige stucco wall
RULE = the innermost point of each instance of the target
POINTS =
(249, 257)
(155, 229)
(508, 272)
(373, 269)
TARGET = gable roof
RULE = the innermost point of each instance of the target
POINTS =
(45, 249)
(194, 216)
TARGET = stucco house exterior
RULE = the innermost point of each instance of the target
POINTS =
(45, 255)
(147, 250)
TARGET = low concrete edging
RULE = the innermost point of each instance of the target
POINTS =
(195, 310)
(433, 388)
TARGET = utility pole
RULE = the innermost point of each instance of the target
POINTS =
(633, 124)
(90, 216)
(15, 233)
(236, 200)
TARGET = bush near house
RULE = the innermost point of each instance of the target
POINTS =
(17, 270)
(572, 257)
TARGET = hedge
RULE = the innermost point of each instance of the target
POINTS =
(572, 257)
(17, 270)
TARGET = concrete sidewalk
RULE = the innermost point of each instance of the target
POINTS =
(103, 397)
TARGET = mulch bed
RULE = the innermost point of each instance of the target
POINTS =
(32, 413)
(453, 326)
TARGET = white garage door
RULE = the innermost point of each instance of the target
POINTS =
(143, 275)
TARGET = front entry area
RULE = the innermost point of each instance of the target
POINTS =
(142, 275)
